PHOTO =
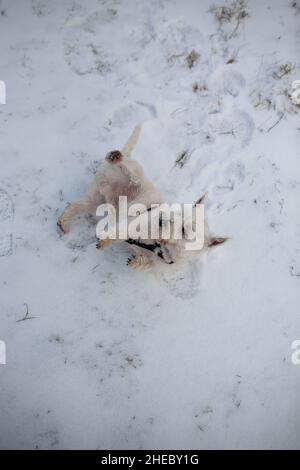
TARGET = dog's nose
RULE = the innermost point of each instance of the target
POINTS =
(114, 156)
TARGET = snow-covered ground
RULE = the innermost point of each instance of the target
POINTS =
(197, 358)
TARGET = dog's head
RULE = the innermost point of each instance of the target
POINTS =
(184, 229)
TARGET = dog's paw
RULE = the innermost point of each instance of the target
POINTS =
(129, 262)
(101, 244)
(65, 228)
(139, 262)
(114, 157)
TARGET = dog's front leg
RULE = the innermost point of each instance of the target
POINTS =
(102, 244)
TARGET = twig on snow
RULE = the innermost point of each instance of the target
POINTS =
(26, 316)
(277, 122)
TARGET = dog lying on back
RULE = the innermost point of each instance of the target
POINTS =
(122, 176)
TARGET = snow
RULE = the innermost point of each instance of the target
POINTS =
(191, 358)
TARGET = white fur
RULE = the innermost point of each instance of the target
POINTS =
(122, 176)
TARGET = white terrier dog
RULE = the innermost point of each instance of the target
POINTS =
(122, 176)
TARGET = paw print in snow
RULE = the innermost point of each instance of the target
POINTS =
(6, 217)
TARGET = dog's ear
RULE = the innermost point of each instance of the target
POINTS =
(214, 241)
(201, 200)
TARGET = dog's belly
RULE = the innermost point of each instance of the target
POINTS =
(116, 189)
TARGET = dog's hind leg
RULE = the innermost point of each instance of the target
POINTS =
(116, 156)
(72, 209)
(132, 141)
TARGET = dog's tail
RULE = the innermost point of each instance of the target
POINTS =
(132, 141)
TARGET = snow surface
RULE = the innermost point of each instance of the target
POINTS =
(113, 358)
